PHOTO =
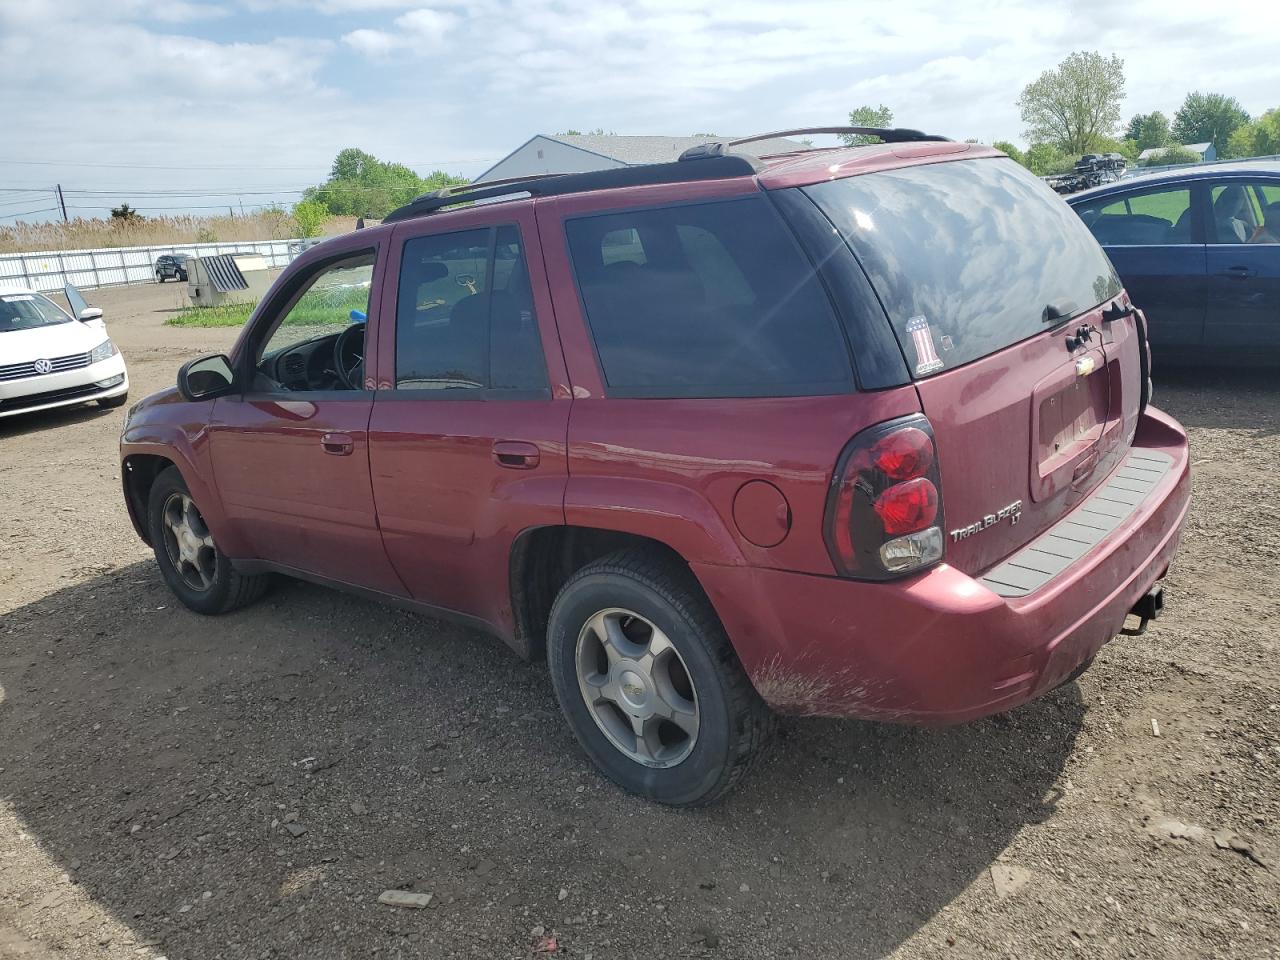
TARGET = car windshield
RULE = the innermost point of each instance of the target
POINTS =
(27, 311)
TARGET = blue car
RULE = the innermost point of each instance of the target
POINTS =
(1198, 250)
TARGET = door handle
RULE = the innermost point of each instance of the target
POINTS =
(516, 454)
(1238, 273)
(338, 444)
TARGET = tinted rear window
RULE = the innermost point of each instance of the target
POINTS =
(706, 300)
(967, 257)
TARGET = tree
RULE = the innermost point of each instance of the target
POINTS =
(1171, 155)
(1149, 130)
(309, 215)
(1261, 138)
(1004, 146)
(125, 214)
(1076, 103)
(867, 116)
(1043, 159)
(1208, 118)
(361, 185)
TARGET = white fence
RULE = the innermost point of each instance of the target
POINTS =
(112, 266)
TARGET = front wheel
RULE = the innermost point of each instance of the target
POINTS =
(198, 573)
(649, 682)
(159, 277)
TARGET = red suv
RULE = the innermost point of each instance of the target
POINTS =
(858, 432)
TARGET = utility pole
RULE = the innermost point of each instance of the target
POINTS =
(61, 202)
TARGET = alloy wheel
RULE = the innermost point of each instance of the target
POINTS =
(188, 542)
(637, 688)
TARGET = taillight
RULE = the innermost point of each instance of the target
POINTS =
(884, 510)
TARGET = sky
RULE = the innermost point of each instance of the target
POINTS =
(199, 105)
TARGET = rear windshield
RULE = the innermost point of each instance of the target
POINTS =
(706, 300)
(967, 257)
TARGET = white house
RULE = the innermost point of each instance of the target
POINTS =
(577, 153)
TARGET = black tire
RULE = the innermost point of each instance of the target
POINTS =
(734, 724)
(110, 402)
(181, 275)
(228, 589)
(159, 277)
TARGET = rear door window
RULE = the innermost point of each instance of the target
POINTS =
(706, 300)
(464, 315)
(968, 257)
(1149, 218)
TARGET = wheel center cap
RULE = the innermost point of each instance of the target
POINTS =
(635, 691)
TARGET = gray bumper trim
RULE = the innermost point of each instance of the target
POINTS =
(1082, 529)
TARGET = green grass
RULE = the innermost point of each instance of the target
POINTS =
(326, 307)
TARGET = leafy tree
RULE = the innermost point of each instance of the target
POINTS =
(569, 133)
(1074, 104)
(1043, 159)
(1004, 146)
(1171, 155)
(310, 215)
(1208, 118)
(1261, 138)
(125, 214)
(1149, 130)
(361, 185)
(867, 116)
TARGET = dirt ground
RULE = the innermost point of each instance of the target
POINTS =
(247, 786)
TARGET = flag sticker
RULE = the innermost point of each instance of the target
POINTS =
(927, 359)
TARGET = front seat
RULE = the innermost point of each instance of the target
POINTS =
(1229, 212)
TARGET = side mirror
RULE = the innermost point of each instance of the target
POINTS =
(206, 377)
(89, 314)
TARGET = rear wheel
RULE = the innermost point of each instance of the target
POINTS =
(649, 682)
(198, 573)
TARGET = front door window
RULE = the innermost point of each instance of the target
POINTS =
(318, 344)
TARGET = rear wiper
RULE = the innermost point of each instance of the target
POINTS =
(1056, 313)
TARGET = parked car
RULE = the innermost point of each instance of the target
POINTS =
(856, 432)
(171, 266)
(1198, 249)
(49, 358)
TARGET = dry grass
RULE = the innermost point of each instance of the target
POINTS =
(81, 234)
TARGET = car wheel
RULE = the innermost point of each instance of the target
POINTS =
(182, 276)
(198, 573)
(159, 277)
(110, 402)
(649, 682)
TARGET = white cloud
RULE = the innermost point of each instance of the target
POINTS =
(418, 31)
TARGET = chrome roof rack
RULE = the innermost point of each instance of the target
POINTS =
(705, 151)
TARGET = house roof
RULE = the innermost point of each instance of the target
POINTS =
(1199, 148)
(636, 150)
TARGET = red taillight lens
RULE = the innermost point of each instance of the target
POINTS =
(884, 512)
(908, 507)
(903, 454)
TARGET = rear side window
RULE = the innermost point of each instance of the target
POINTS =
(706, 300)
(1150, 218)
(464, 315)
(968, 257)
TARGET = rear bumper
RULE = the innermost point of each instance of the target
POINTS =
(942, 647)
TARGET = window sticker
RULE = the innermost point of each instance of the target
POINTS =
(17, 297)
(927, 359)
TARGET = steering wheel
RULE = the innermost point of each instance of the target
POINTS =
(348, 356)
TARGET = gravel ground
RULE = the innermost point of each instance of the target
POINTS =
(248, 786)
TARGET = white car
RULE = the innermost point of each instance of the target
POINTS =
(49, 358)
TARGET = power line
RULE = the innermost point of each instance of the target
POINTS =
(27, 213)
(192, 166)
